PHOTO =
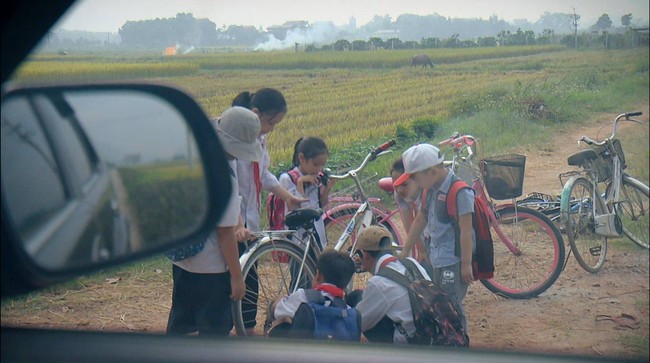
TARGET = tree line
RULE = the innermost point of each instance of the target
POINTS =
(406, 32)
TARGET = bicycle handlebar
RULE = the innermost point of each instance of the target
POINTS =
(372, 155)
(383, 147)
(590, 141)
(460, 143)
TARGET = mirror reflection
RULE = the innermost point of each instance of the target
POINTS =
(118, 172)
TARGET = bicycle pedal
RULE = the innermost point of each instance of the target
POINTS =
(595, 251)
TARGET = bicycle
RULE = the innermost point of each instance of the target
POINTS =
(282, 261)
(528, 248)
(621, 210)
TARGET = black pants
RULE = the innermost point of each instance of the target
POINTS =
(382, 332)
(200, 303)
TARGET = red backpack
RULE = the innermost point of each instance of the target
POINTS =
(483, 258)
(275, 206)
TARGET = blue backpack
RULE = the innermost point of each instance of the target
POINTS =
(334, 321)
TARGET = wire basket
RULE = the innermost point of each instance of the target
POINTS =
(504, 175)
(604, 164)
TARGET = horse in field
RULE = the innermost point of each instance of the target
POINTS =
(421, 60)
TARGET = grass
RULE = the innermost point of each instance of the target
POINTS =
(637, 343)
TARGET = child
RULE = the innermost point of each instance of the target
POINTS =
(385, 307)
(205, 283)
(334, 272)
(408, 198)
(309, 158)
(424, 165)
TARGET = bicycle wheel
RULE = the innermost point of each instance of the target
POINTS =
(632, 208)
(335, 225)
(273, 263)
(540, 257)
(588, 247)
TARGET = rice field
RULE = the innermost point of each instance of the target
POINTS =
(351, 98)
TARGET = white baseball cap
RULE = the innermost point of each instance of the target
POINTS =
(238, 129)
(417, 158)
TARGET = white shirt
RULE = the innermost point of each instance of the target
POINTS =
(385, 297)
(210, 259)
(250, 209)
(312, 193)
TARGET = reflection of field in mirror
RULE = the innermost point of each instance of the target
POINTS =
(166, 199)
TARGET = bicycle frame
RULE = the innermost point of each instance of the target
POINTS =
(385, 215)
(465, 143)
(363, 204)
(605, 222)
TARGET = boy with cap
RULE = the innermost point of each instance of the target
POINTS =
(205, 283)
(423, 163)
(385, 307)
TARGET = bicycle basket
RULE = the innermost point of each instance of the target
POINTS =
(504, 175)
(604, 164)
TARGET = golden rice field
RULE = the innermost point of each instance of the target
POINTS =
(348, 97)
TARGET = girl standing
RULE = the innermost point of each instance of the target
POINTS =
(254, 176)
(309, 158)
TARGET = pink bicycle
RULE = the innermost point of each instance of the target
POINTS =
(528, 248)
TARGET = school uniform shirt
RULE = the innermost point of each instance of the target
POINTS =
(443, 241)
(385, 297)
(288, 305)
(311, 193)
(210, 259)
(251, 199)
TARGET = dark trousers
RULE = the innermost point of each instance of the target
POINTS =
(382, 332)
(200, 303)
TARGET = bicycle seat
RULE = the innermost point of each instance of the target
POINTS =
(581, 156)
(386, 184)
(302, 217)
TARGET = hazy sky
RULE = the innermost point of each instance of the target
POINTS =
(110, 15)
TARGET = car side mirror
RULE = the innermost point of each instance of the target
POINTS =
(94, 175)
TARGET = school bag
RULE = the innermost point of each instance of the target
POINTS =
(181, 253)
(437, 322)
(275, 206)
(326, 319)
(483, 257)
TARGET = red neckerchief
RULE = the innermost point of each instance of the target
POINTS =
(258, 180)
(331, 289)
(387, 261)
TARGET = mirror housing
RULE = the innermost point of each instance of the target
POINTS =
(100, 174)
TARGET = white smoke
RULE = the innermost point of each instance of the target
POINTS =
(317, 34)
(191, 48)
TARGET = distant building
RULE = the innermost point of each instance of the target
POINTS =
(352, 23)
(280, 31)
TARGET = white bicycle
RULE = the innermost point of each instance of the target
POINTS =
(590, 216)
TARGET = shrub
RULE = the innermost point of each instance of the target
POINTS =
(425, 127)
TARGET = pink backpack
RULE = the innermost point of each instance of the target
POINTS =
(275, 206)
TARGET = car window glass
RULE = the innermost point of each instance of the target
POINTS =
(35, 189)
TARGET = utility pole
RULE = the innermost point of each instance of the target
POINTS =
(574, 24)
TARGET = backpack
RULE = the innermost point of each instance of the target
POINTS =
(181, 253)
(318, 320)
(275, 206)
(437, 322)
(483, 258)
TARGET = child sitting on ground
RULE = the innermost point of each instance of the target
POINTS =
(334, 272)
